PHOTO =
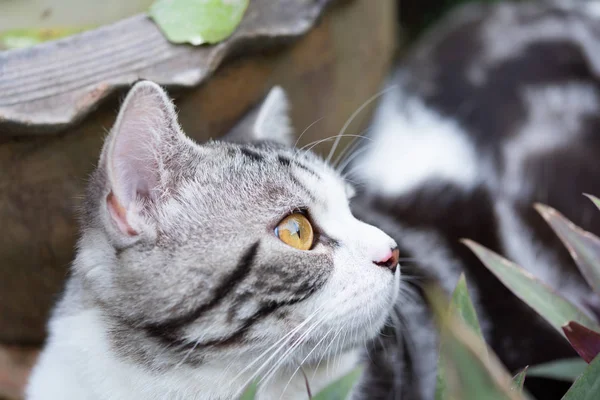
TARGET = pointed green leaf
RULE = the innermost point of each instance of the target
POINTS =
(551, 306)
(519, 380)
(341, 388)
(471, 380)
(472, 371)
(587, 386)
(565, 370)
(583, 246)
(250, 392)
(441, 385)
(462, 305)
(594, 199)
(198, 21)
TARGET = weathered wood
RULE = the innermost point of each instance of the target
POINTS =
(328, 73)
(51, 86)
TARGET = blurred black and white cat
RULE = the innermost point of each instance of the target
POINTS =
(496, 108)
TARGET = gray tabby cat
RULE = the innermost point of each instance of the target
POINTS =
(202, 267)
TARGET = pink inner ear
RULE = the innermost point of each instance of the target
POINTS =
(134, 165)
(144, 131)
(142, 138)
(119, 215)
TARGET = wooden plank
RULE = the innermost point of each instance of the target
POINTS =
(46, 88)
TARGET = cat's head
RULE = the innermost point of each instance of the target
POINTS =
(228, 249)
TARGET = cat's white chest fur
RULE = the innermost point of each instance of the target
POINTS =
(78, 364)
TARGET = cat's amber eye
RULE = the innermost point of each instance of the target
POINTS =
(295, 230)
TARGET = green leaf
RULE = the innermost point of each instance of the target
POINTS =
(594, 199)
(341, 388)
(583, 246)
(472, 371)
(441, 385)
(472, 381)
(250, 392)
(198, 21)
(551, 306)
(587, 386)
(564, 370)
(519, 380)
(462, 306)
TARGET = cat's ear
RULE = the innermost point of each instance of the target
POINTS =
(269, 121)
(145, 133)
(273, 119)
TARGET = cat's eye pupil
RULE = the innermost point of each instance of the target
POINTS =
(295, 230)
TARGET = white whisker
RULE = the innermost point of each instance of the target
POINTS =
(305, 358)
(349, 149)
(317, 142)
(306, 130)
(325, 351)
(349, 159)
(354, 114)
(288, 352)
(279, 343)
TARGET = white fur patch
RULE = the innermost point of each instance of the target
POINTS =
(78, 363)
(413, 144)
(592, 8)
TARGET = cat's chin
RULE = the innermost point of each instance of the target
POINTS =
(347, 333)
(314, 346)
(346, 342)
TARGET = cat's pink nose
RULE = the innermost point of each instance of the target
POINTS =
(390, 260)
